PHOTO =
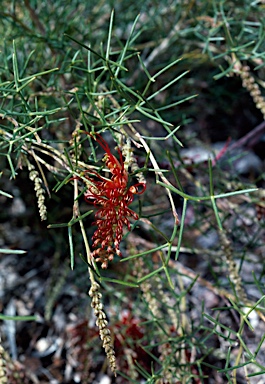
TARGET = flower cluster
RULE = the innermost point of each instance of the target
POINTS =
(249, 82)
(102, 323)
(34, 176)
(112, 198)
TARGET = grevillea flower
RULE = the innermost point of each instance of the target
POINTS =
(112, 198)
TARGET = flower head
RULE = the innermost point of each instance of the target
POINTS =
(112, 198)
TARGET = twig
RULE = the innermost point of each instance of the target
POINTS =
(250, 138)
(34, 17)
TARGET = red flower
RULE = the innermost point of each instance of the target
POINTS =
(112, 197)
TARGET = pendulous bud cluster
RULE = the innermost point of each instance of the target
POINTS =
(102, 323)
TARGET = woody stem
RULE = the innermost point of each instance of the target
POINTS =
(158, 172)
